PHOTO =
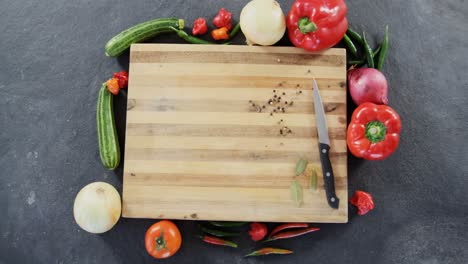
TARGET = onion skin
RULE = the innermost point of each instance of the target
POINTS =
(97, 207)
(262, 22)
(367, 85)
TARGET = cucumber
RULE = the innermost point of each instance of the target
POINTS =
(140, 32)
(109, 149)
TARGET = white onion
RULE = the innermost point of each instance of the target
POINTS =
(262, 22)
(97, 207)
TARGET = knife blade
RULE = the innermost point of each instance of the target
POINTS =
(324, 149)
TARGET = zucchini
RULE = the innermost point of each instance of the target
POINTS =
(109, 149)
(140, 32)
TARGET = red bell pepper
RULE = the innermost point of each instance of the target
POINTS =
(316, 24)
(223, 19)
(363, 201)
(199, 26)
(374, 131)
(122, 78)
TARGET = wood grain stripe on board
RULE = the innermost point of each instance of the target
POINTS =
(212, 49)
(222, 118)
(222, 131)
(253, 82)
(219, 70)
(228, 155)
(237, 58)
(226, 94)
(304, 145)
(174, 105)
(218, 168)
(236, 181)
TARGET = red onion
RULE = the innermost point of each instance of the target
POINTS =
(367, 85)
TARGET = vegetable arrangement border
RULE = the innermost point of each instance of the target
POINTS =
(373, 132)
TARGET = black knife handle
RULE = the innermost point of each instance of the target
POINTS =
(328, 177)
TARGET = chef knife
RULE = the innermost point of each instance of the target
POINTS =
(324, 149)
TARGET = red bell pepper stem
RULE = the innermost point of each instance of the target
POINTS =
(218, 241)
(287, 226)
(295, 233)
(268, 251)
(306, 26)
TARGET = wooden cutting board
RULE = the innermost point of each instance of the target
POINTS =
(197, 149)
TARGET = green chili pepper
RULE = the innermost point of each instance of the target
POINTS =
(218, 233)
(368, 51)
(191, 39)
(268, 251)
(234, 31)
(355, 36)
(227, 224)
(349, 43)
(383, 51)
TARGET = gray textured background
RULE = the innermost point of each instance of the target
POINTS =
(52, 64)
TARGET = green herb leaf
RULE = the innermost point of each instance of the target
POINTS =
(301, 166)
(313, 180)
(296, 192)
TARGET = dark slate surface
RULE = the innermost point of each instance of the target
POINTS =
(52, 64)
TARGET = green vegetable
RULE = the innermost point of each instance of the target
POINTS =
(107, 134)
(351, 47)
(355, 36)
(301, 166)
(227, 224)
(218, 233)
(313, 180)
(383, 52)
(190, 39)
(138, 33)
(376, 51)
(234, 31)
(296, 192)
(368, 51)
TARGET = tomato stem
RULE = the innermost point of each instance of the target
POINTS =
(160, 242)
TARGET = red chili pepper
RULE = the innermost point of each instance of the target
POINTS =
(268, 251)
(223, 19)
(295, 233)
(363, 201)
(113, 86)
(122, 78)
(218, 241)
(374, 131)
(220, 33)
(199, 26)
(287, 226)
(317, 25)
(258, 231)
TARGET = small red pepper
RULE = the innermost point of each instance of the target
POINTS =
(268, 251)
(258, 231)
(218, 241)
(113, 86)
(220, 33)
(223, 19)
(290, 234)
(374, 131)
(199, 26)
(287, 226)
(317, 25)
(122, 78)
(363, 201)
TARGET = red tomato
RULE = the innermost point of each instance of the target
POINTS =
(163, 239)
(257, 231)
